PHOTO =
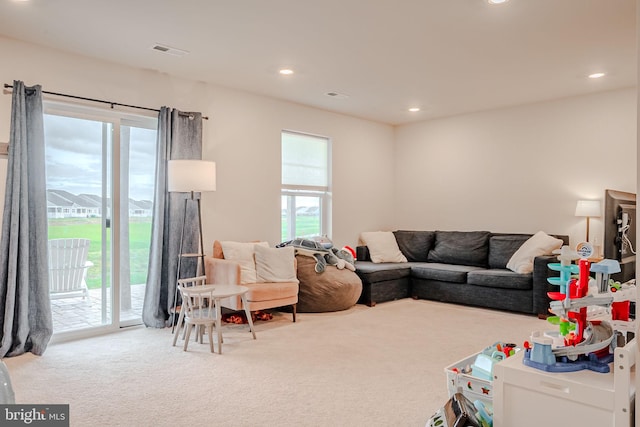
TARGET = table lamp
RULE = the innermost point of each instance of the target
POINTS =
(589, 209)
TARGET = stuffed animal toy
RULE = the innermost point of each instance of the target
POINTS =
(323, 252)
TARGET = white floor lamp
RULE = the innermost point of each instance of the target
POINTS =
(190, 176)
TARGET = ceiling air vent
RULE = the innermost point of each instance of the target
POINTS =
(169, 50)
(337, 95)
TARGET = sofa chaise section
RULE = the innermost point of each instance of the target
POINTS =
(383, 281)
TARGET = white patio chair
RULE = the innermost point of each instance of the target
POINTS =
(68, 266)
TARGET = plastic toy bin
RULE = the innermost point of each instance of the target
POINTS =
(473, 388)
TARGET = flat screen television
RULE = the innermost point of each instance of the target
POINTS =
(620, 227)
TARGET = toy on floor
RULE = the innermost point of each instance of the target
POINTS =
(585, 336)
(461, 412)
(240, 317)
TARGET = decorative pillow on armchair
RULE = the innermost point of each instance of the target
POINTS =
(276, 264)
(243, 254)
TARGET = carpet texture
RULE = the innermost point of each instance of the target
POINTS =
(380, 366)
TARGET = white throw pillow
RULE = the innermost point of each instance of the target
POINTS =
(383, 246)
(243, 254)
(276, 264)
(539, 244)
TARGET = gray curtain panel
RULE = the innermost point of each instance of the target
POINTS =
(25, 309)
(179, 138)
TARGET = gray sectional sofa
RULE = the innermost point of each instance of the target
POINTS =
(463, 267)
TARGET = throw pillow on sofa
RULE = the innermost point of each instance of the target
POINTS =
(383, 246)
(539, 244)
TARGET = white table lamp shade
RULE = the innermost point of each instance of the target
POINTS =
(191, 175)
(588, 208)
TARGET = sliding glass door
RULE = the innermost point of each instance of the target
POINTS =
(100, 183)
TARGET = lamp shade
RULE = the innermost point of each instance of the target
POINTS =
(589, 208)
(191, 175)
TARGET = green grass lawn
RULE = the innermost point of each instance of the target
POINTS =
(91, 228)
(306, 226)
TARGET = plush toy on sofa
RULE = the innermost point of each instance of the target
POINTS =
(324, 253)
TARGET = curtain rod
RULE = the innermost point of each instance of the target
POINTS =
(8, 86)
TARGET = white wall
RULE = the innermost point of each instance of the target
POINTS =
(520, 169)
(242, 136)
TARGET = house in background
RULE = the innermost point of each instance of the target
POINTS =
(63, 204)
(140, 208)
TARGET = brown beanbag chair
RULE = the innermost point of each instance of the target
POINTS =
(331, 290)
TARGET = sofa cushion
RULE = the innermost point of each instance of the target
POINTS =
(503, 246)
(383, 246)
(537, 245)
(259, 292)
(371, 272)
(442, 272)
(415, 245)
(500, 278)
(461, 248)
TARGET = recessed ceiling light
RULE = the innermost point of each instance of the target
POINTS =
(596, 75)
(497, 1)
(414, 109)
(286, 71)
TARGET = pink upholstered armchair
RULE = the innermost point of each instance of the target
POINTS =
(262, 294)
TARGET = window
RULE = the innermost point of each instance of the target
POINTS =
(306, 184)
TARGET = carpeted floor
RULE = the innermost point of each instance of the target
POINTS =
(380, 366)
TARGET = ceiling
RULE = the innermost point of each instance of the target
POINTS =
(447, 57)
